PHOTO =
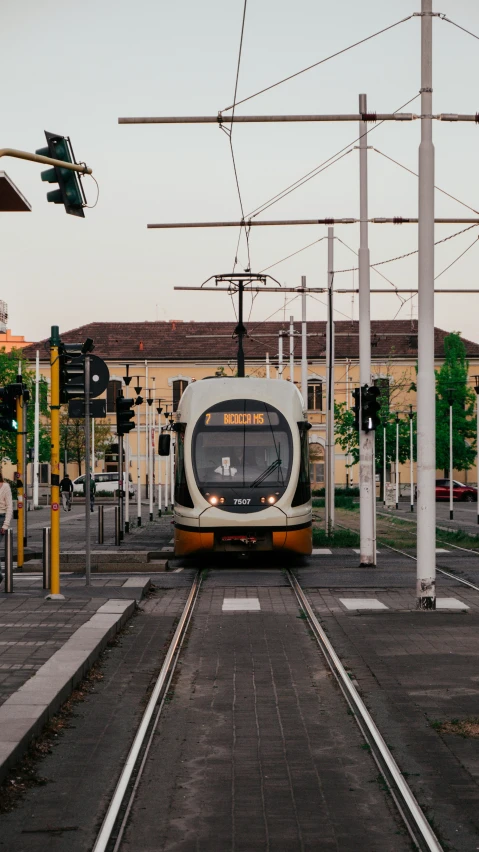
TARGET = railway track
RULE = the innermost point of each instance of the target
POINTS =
(110, 836)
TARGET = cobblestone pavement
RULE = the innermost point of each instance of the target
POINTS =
(256, 749)
(32, 629)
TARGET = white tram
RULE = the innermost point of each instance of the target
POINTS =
(242, 468)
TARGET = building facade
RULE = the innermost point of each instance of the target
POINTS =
(162, 358)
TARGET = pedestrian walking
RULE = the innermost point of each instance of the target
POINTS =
(92, 491)
(66, 489)
(6, 509)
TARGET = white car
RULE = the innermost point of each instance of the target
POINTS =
(105, 482)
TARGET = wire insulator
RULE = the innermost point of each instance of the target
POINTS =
(329, 221)
(398, 220)
(369, 116)
(476, 118)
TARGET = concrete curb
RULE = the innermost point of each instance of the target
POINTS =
(24, 714)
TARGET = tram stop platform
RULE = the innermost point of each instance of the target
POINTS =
(46, 648)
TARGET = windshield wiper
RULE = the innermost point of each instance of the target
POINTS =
(273, 466)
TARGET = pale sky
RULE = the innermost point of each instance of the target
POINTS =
(75, 69)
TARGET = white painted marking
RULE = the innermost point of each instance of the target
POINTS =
(172, 540)
(442, 550)
(450, 603)
(241, 604)
(167, 549)
(321, 551)
(177, 570)
(140, 580)
(356, 550)
(362, 603)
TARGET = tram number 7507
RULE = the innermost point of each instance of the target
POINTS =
(245, 501)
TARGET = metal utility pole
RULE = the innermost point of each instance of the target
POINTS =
(280, 355)
(167, 467)
(138, 459)
(121, 483)
(397, 462)
(150, 455)
(411, 456)
(476, 388)
(330, 441)
(291, 349)
(384, 463)
(451, 460)
(127, 380)
(159, 409)
(21, 429)
(87, 472)
(304, 344)
(36, 433)
(367, 484)
(426, 402)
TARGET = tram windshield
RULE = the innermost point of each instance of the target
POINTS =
(247, 445)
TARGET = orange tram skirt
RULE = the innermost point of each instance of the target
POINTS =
(190, 541)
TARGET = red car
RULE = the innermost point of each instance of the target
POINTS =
(466, 493)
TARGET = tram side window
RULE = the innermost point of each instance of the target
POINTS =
(303, 488)
(182, 492)
(179, 386)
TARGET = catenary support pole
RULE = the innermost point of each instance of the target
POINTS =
(396, 466)
(426, 403)
(240, 331)
(476, 388)
(8, 561)
(25, 472)
(280, 355)
(384, 463)
(147, 436)
(304, 344)
(291, 349)
(138, 464)
(121, 484)
(411, 457)
(20, 475)
(268, 366)
(55, 465)
(151, 458)
(167, 467)
(36, 433)
(159, 462)
(172, 476)
(451, 462)
(367, 487)
(330, 442)
(93, 446)
(87, 472)
(126, 444)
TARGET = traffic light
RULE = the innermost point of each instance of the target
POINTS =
(356, 407)
(72, 372)
(70, 193)
(124, 415)
(8, 407)
(370, 408)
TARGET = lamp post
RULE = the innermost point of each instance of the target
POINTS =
(397, 460)
(451, 461)
(411, 457)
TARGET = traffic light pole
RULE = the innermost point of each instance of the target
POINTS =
(87, 472)
(367, 482)
(55, 466)
(20, 474)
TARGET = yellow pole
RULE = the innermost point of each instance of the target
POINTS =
(55, 461)
(20, 504)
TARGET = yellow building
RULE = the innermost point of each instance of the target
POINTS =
(163, 357)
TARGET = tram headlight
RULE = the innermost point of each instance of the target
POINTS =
(271, 500)
(213, 500)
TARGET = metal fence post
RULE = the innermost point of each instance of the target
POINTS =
(117, 525)
(46, 557)
(8, 561)
(100, 525)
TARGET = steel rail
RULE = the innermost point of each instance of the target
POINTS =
(441, 570)
(145, 732)
(400, 788)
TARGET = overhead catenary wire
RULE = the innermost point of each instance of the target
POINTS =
(322, 166)
(316, 64)
(445, 18)
(474, 243)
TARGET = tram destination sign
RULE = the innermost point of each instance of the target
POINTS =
(241, 418)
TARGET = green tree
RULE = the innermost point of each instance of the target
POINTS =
(452, 381)
(9, 368)
(72, 438)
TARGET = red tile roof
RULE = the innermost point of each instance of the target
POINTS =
(213, 341)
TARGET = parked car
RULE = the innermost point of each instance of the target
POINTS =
(105, 482)
(466, 493)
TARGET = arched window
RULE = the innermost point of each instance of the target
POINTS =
(112, 391)
(179, 386)
(316, 464)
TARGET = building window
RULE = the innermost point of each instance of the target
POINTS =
(316, 464)
(385, 388)
(315, 396)
(179, 386)
(112, 391)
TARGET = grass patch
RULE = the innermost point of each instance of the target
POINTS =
(339, 502)
(466, 728)
(338, 538)
(339, 492)
(457, 537)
